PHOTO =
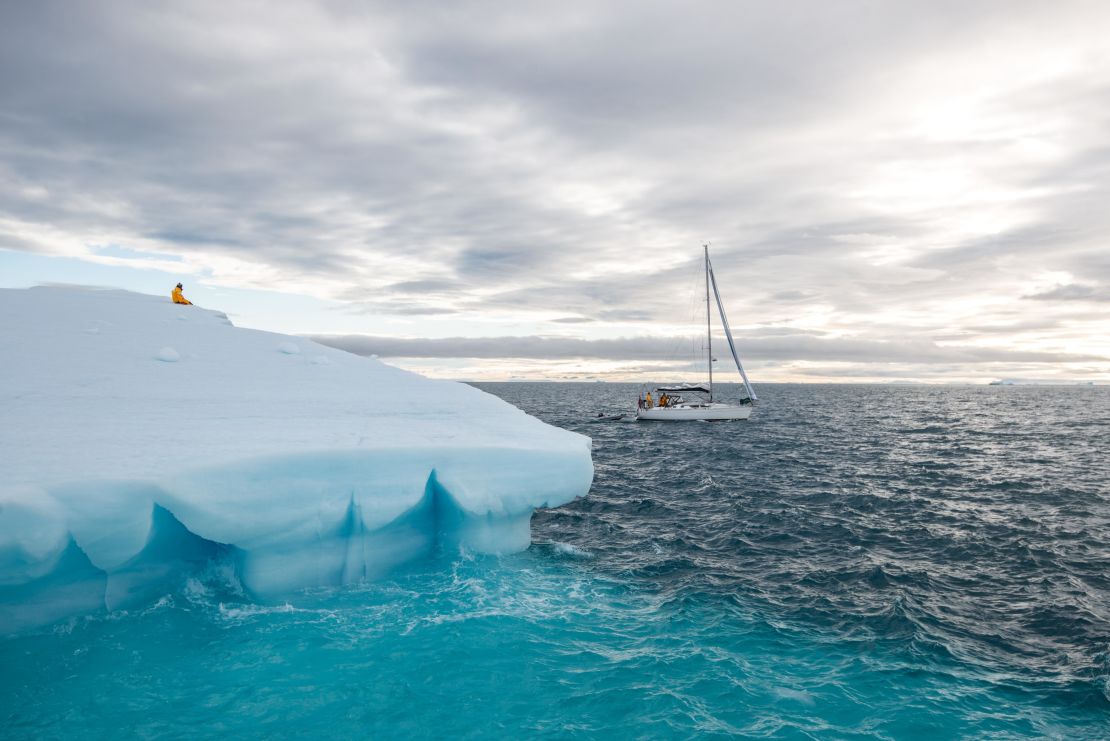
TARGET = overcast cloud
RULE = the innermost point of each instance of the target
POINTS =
(655, 348)
(919, 184)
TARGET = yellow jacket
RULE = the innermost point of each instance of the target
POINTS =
(180, 299)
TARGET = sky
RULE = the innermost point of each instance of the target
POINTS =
(891, 191)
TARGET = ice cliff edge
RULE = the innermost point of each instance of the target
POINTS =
(139, 439)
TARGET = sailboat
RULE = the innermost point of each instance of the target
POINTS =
(690, 403)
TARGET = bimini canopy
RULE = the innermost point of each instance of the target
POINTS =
(680, 389)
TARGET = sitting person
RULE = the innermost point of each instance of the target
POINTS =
(179, 298)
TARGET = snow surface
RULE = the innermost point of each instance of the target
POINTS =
(139, 438)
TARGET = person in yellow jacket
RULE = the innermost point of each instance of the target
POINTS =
(178, 298)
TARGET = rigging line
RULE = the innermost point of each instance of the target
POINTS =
(696, 353)
(693, 284)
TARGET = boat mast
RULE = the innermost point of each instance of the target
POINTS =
(708, 325)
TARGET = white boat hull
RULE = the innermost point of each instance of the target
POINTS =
(691, 413)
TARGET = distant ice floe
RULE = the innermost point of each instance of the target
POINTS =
(120, 475)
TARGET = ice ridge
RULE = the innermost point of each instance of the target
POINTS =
(141, 440)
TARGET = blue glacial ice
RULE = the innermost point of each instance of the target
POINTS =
(141, 440)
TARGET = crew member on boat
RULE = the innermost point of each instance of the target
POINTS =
(664, 399)
(648, 402)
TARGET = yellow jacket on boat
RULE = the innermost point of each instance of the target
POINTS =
(178, 298)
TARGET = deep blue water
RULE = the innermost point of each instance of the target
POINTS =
(853, 562)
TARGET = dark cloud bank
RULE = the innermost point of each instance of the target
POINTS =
(670, 348)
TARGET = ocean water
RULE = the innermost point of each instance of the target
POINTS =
(854, 562)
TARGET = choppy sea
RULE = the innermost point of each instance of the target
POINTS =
(854, 562)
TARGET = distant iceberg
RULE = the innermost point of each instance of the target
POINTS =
(140, 439)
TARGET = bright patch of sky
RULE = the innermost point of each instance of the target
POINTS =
(479, 190)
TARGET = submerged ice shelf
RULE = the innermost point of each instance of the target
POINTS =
(139, 439)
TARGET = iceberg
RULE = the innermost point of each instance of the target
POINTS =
(140, 440)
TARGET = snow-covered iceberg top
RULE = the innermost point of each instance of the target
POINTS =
(139, 438)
